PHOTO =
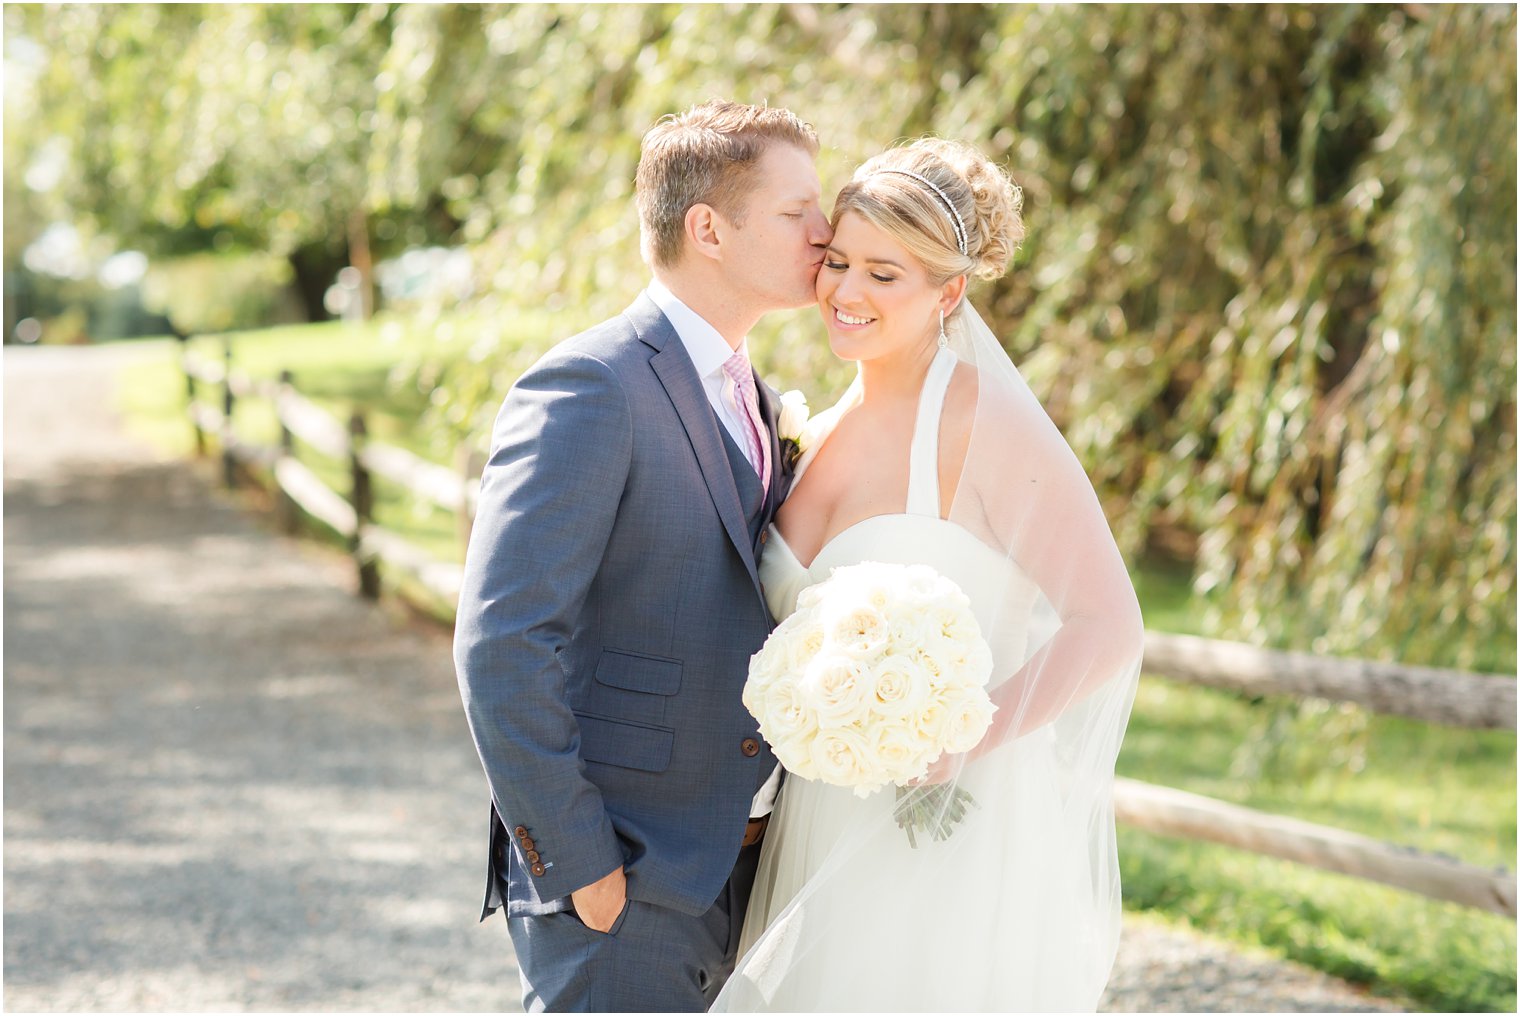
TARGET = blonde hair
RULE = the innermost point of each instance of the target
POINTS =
(989, 204)
(706, 155)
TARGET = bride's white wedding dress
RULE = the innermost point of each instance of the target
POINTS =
(1017, 910)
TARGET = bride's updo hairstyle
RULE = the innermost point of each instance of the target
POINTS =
(890, 193)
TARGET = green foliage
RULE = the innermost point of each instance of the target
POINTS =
(1270, 287)
(220, 292)
(1269, 290)
(1387, 516)
(187, 125)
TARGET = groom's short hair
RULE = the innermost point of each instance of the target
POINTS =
(706, 155)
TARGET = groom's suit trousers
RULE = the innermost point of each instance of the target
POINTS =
(652, 960)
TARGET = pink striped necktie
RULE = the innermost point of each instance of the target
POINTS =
(759, 447)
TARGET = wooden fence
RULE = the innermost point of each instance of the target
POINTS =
(299, 489)
(1450, 697)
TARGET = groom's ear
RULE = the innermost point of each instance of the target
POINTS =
(704, 230)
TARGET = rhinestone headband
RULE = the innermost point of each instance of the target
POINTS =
(955, 217)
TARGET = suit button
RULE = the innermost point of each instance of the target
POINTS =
(527, 843)
(538, 868)
(750, 747)
(532, 857)
(520, 831)
(765, 534)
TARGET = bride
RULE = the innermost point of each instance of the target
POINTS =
(939, 454)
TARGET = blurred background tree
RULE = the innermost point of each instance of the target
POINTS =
(1269, 290)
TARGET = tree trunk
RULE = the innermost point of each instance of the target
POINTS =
(316, 268)
(359, 256)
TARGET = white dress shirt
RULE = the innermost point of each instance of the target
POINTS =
(709, 351)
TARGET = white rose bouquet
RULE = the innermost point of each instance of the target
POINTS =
(879, 671)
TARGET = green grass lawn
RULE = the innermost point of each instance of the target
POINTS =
(1413, 784)
(1419, 785)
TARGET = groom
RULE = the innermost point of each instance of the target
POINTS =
(611, 600)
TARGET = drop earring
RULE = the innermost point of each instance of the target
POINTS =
(944, 340)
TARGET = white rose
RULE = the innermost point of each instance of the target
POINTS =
(796, 756)
(960, 662)
(753, 695)
(868, 581)
(860, 631)
(838, 688)
(911, 630)
(785, 714)
(764, 670)
(793, 417)
(899, 755)
(919, 580)
(967, 717)
(978, 668)
(771, 659)
(901, 686)
(841, 758)
(927, 724)
(956, 622)
(803, 644)
(932, 658)
(875, 585)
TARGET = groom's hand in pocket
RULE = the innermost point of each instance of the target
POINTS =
(598, 904)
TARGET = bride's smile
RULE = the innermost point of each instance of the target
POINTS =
(849, 321)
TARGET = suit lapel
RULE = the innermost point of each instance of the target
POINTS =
(675, 371)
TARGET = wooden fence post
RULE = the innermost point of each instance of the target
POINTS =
(284, 504)
(184, 365)
(229, 458)
(364, 508)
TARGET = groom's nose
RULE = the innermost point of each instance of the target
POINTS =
(819, 232)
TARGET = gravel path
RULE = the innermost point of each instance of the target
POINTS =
(231, 785)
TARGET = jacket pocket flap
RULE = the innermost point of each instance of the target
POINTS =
(625, 744)
(632, 672)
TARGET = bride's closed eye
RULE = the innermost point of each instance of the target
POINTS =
(839, 266)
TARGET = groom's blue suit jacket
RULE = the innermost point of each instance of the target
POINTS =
(609, 609)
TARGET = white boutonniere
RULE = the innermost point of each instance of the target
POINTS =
(791, 422)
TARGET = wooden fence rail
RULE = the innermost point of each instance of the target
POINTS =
(1449, 697)
(1170, 812)
(1452, 697)
(299, 487)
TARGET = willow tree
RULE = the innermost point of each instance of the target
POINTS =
(183, 128)
(1274, 300)
(1268, 291)
(1270, 286)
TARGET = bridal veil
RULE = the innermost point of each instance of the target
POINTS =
(1019, 907)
